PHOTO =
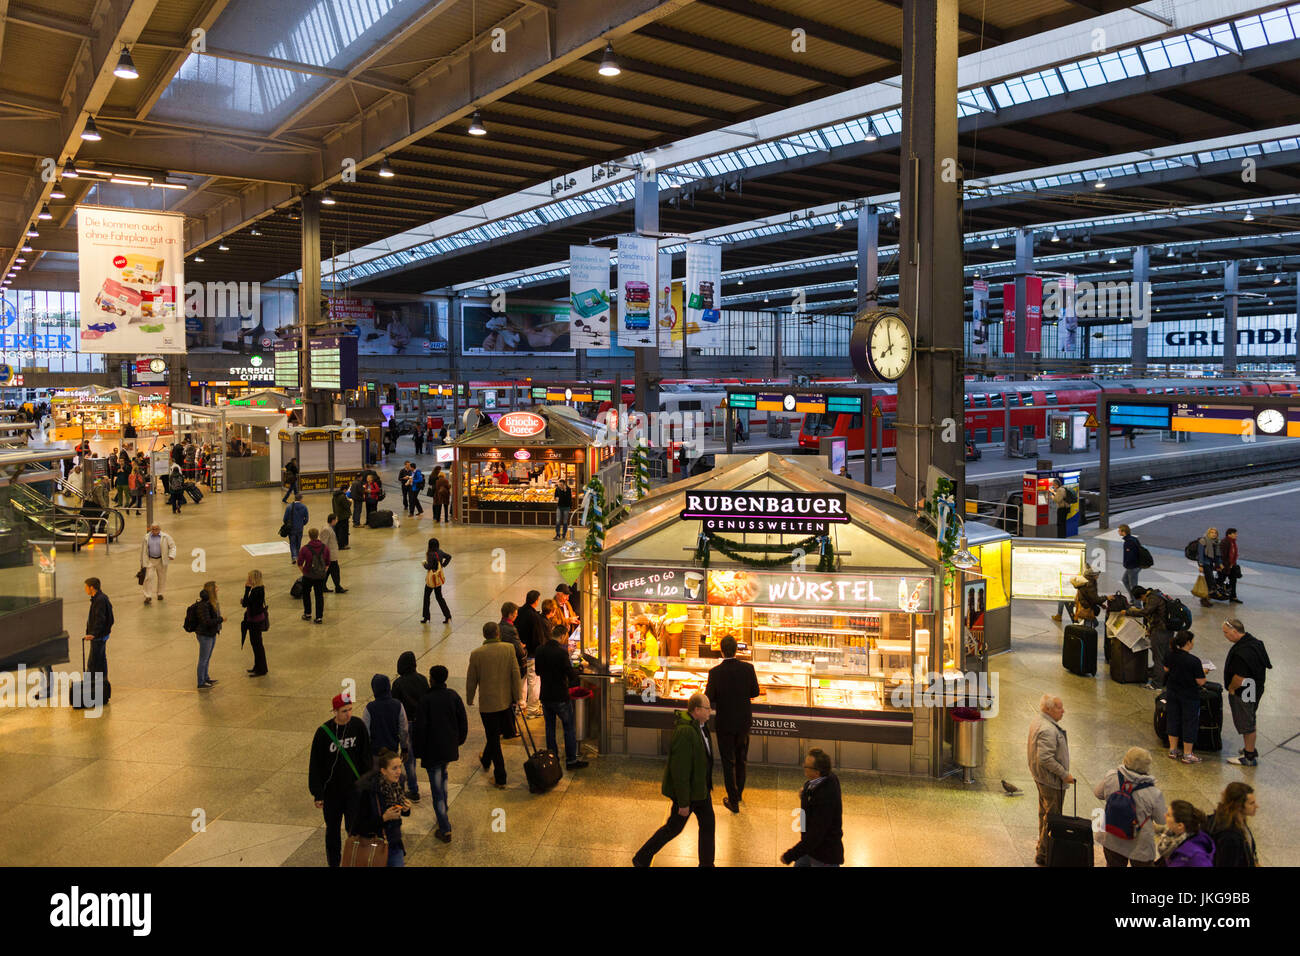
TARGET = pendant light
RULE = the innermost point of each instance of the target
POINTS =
(126, 66)
(91, 133)
(609, 64)
(476, 127)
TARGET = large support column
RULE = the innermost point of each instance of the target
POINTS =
(930, 256)
(1230, 319)
(1024, 268)
(1141, 276)
(646, 361)
(778, 320)
(868, 257)
(1296, 331)
(309, 306)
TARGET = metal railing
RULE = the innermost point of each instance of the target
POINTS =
(81, 524)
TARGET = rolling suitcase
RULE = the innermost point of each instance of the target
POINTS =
(380, 519)
(1079, 650)
(542, 768)
(1209, 735)
(1160, 717)
(193, 490)
(1069, 839)
(1126, 665)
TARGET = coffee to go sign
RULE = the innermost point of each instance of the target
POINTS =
(521, 424)
(773, 512)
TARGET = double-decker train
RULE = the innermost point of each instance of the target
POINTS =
(992, 407)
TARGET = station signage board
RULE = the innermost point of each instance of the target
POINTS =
(502, 452)
(905, 593)
(771, 512)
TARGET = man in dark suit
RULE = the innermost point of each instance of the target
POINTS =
(533, 632)
(732, 685)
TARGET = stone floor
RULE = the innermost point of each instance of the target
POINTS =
(172, 776)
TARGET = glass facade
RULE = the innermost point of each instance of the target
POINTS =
(33, 317)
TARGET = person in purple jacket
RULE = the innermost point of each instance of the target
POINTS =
(1184, 841)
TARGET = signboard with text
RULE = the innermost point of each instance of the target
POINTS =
(667, 585)
(908, 593)
(773, 512)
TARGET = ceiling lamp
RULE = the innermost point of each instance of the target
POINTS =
(198, 258)
(1056, 236)
(608, 64)
(839, 223)
(21, 259)
(70, 171)
(476, 127)
(1276, 279)
(1270, 301)
(31, 231)
(126, 66)
(327, 198)
(27, 247)
(898, 213)
(1099, 184)
(254, 232)
(740, 282)
(44, 213)
(1112, 260)
(995, 243)
(872, 135)
(222, 247)
(1259, 267)
(91, 133)
(962, 558)
(57, 191)
(1249, 217)
(766, 299)
(385, 170)
(1204, 271)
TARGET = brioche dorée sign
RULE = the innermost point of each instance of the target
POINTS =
(773, 512)
(521, 424)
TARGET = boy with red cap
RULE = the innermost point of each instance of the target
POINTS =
(340, 754)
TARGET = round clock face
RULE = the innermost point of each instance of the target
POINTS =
(157, 365)
(890, 347)
(788, 403)
(1270, 421)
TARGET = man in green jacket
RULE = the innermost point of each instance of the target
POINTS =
(688, 782)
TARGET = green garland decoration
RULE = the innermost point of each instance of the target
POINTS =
(640, 470)
(708, 540)
(595, 542)
(943, 498)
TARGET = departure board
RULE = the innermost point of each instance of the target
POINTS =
(286, 365)
(333, 362)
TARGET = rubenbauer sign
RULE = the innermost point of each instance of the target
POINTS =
(771, 512)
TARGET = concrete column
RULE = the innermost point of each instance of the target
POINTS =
(778, 320)
(1024, 268)
(1230, 319)
(309, 304)
(1141, 275)
(868, 256)
(930, 256)
(646, 361)
(1296, 330)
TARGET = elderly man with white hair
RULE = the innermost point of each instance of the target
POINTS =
(157, 550)
(1049, 765)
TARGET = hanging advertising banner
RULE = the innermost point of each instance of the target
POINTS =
(670, 319)
(704, 295)
(980, 317)
(637, 262)
(1033, 314)
(131, 271)
(1069, 335)
(522, 329)
(1008, 318)
(589, 326)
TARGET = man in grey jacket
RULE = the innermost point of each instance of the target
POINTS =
(1049, 765)
(493, 676)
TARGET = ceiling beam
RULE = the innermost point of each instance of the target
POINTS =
(1183, 98)
(617, 92)
(586, 112)
(788, 20)
(699, 80)
(716, 47)
(156, 88)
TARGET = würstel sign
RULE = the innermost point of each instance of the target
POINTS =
(770, 512)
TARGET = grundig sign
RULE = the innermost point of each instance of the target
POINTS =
(773, 512)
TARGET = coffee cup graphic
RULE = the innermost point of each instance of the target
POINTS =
(694, 581)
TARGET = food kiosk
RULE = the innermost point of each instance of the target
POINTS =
(832, 589)
(506, 472)
(329, 457)
(102, 416)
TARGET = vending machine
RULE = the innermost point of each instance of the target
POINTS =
(1039, 517)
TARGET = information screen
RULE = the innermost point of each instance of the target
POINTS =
(333, 362)
(286, 365)
(1141, 416)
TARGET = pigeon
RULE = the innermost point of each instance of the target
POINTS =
(1011, 789)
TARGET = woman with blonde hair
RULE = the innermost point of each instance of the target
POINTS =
(203, 619)
(1210, 558)
(256, 620)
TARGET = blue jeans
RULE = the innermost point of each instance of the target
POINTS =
(563, 711)
(206, 644)
(412, 781)
(562, 521)
(396, 852)
(806, 860)
(1182, 719)
(295, 543)
(1130, 579)
(438, 786)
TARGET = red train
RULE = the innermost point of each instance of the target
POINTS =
(987, 404)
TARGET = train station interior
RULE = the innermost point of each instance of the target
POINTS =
(994, 290)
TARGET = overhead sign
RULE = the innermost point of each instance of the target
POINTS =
(333, 362)
(286, 364)
(131, 269)
(637, 265)
(703, 295)
(1139, 416)
(667, 585)
(521, 424)
(909, 594)
(980, 313)
(773, 512)
(589, 325)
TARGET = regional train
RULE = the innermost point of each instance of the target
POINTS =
(990, 407)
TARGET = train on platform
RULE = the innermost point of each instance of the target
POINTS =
(991, 408)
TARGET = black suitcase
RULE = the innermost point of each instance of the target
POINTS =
(1079, 650)
(193, 490)
(296, 589)
(1160, 719)
(379, 519)
(1126, 665)
(1069, 839)
(542, 768)
(1209, 735)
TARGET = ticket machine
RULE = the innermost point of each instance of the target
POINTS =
(1038, 517)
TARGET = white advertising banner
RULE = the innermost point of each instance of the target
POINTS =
(589, 326)
(669, 316)
(637, 261)
(132, 279)
(1069, 334)
(980, 317)
(703, 295)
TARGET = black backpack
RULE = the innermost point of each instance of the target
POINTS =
(1177, 616)
(319, 567)
(1192, 551)
(1071, 496)
(193, 618)
(1144, 558)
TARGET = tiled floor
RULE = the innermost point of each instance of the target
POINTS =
(172, 776)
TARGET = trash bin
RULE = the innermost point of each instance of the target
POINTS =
(583, 700)
(968, 739)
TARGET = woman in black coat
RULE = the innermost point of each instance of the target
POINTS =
(441, 726)
(256, 620)
(435, 559)
(376, 805)
(822, 809)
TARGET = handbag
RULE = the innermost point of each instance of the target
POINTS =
(284, 531)
(1234, 572)
(140, 575)
(434, 578)
(365, 851)
(1200, 589)
(296, 590)
(1083, 611)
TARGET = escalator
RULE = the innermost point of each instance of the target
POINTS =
(73, 520)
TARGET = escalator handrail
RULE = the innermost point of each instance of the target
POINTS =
(44, 507)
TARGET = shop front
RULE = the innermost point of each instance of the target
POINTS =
(216, 377)
(241, 445)
(111, 418)
(328, 458)
(507, 472)
(830, 589)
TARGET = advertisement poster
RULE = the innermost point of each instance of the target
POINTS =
(980, 319)
(704, 295)
(669, 316)
(393, 327)
(973, 603)
(679, 312)
(131, 271)
(589, 326)
(523, 329)
(1008, 318)
(637, 262)
(1069, 320)
(1033, 314)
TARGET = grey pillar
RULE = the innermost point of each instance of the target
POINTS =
(1230, 319)
(1296, 331)
(1141, 276)
(309, 304)
(454, 318)
(645, 362)
(1024, 267)
(778, 320)
(930, 251)
(868, 257)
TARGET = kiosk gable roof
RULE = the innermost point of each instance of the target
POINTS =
(565, 431)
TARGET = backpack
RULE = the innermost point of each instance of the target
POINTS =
(133, 481)
(175, 483)
(1071, 496)
(1192, 551)
(319, 567)
(1121, 811)
(1144, 558)
(192, 620)
(1177, 616)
